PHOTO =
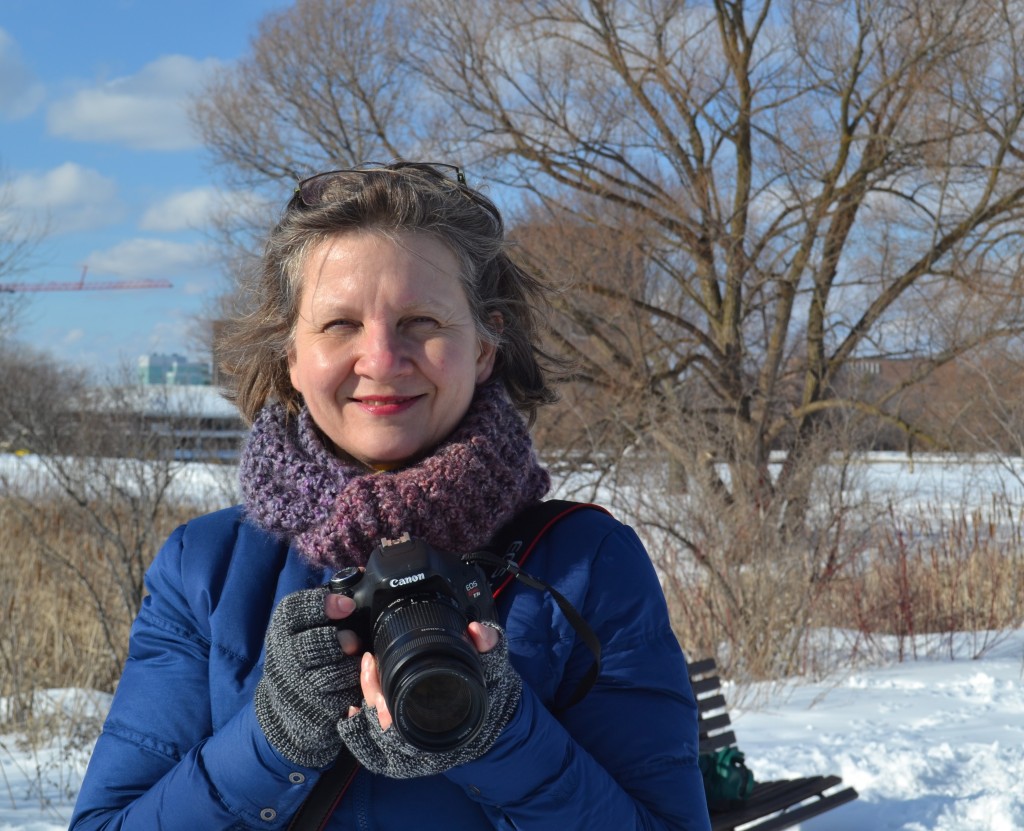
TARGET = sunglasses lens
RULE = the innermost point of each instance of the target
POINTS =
(311, 191)
(316, 189)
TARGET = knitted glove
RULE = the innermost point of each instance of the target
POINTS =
(308, 681)
(385, 752)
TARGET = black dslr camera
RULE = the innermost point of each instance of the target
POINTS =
(413, 604)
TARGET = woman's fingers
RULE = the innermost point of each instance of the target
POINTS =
(339, 606)
(370, 681)
(484, 638)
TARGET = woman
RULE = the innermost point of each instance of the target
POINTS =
(385, 371)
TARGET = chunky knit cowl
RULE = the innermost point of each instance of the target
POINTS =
(335, 510)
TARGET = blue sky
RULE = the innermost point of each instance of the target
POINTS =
(96, 142)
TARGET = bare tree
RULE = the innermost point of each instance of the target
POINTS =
(810, 177)
(807, 178)
(324, 83)
(759, 194)
(19, 239)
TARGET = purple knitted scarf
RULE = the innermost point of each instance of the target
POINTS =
(335, 510)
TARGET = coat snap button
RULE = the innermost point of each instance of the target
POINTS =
(268, 815)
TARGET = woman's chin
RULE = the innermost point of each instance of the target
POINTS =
(383, 458)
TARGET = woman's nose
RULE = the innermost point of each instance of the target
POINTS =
(381, 353)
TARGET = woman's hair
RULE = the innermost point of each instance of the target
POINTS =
(390, 199)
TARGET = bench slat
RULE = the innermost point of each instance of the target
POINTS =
(710, 745)
(714, 724)
(703, 686)
(793, 815)
(710, 704)
(701, 666)
(772, 796)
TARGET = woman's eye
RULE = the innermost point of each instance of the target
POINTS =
(341, 325)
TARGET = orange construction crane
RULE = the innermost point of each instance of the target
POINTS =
(81, 285)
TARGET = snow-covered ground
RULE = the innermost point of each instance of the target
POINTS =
(934, 743)
(930, 744)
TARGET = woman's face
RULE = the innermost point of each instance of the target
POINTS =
(385, 351)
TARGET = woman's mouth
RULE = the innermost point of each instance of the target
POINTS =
(386, 404)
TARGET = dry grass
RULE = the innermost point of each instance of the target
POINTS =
(65, 621)
(894, 579)
(66, 614)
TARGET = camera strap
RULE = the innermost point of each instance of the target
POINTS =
(510, 547)
(317, 808)
(505, 554)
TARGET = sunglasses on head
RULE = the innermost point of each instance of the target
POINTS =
(311, 191)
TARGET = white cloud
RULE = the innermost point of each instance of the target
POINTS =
(68, 198)
(144, 258)
(182, 211)
(169, 334)
(20, 91)
(145, 111)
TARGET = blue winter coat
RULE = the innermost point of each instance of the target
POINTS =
(181, 748)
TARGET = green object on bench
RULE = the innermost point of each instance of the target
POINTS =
(770, 806)
(728, 782)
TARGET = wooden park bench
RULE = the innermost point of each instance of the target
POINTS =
(780, 804)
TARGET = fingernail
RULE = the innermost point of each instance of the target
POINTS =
(348, 640)
(341, 604)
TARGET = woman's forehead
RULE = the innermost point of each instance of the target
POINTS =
(409, 268)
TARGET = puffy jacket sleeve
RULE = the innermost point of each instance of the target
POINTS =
(625, 757)
(159, 763)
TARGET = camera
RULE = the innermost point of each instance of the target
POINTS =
(413, 604)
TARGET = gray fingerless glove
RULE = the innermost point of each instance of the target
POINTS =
(308, 681)
(385, 752)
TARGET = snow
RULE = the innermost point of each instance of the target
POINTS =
(40, 776)
(936, 743)
(932, 744)
(188, 483)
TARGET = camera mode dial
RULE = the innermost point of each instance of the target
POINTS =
(342, 582)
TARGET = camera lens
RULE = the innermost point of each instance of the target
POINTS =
(430, 673)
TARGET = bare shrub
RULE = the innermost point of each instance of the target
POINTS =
(756, 615)
(933, 573)
(866, 577)
(85, 503)
(22, 232)
(93, 524)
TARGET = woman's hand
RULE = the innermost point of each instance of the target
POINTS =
(385, 752)
(310, 677)
(484, 638)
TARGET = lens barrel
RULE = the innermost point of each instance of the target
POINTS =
(430, 672)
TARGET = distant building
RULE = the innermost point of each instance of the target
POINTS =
(193, 423)
(182, 422)
(173, 370)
